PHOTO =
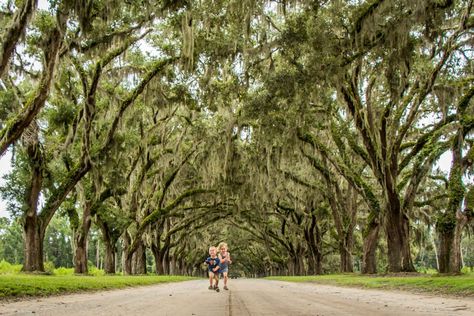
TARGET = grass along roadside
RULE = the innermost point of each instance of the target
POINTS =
(30, 285)
(439, 284)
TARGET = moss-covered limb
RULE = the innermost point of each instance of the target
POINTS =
(279, 240)
(354, 179)
(429, 137)
(285, 207)
(108, 58)
(137, 236)
(171, 177)
(300, 181)
(468, 159)
(59, 194)
(319, 166)
(105, 39)
(367, 14)
(104, 195)
(157, 68)
(334, 195)
(155, 215)
(464, 102)
(360, 151)
(368, 141)
(440, 178)
(424, 160)
(213, 217)
(425, 88)
(431, 202)
(15, 30)
(15, 127)
(420, 170)
(184, 196)
(181, 212)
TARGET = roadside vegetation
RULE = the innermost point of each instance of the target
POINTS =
(14, 284)
(420, 282)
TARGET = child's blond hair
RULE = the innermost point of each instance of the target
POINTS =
(222, 244)
(212, 247)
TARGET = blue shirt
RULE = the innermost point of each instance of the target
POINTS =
(212, 263)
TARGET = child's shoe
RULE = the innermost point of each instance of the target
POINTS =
(225, 287)
(210, 287)
(217, 289)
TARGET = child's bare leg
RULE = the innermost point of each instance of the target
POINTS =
(225, 278)
(211, 276)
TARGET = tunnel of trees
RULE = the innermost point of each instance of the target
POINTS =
(306, 134)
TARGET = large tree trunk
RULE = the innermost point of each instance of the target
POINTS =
(33, 247)
(139, 260)
(407, 262)
(166, 261)
(451, 223)
(313, 239)
(345, 251)
(126, 256)
(82, 233)
(158, 256)
(446, 242)
(33, 228)
(371, 236)
(109, 259)
(110, 248)
(450, 244)
(394, 232)
(173, 265)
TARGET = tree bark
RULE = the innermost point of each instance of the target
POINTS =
(449, 224)
(166, 261)
(126, 257)
(345, 250)
(139, 259)
(33, 228)
(407, 261)
(15, 31)
(371, 236)
(313, 239)
(110, 248)
(398, 242)
(109, 258)
(82, 233)
(450, 245)
(33, 248)
(158, 256)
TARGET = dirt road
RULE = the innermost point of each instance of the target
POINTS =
(245, 297)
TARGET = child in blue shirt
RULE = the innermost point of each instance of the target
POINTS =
(213, 268)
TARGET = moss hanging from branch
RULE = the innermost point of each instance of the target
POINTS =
(187, 51)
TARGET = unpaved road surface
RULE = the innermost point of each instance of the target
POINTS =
(245, 297)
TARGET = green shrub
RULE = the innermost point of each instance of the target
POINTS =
(95, 272)
(49, 267)
(64, 271)
(7, 268)
(467, 270)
